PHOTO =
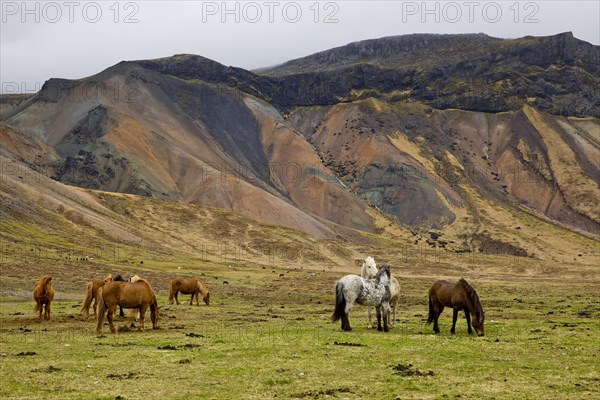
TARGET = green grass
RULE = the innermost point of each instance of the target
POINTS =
(267, 336)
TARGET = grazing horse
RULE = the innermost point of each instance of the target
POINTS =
(459, 296)
(369, 292)
(368, 271)
(188, 286)
(43, 295)
(92, 294)
(137, 295)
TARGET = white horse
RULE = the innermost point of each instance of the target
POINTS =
(368, 271)
(369, 292)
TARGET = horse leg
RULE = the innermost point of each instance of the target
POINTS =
(142, 312)
(369, 313)
(394, 321)
(48, 311)
(192, 299)
(177, 297)
(95, 306)
(386, 316)
(468, 316)
(378, 311)
(454, 317)
(346, 323)
(436, 327)
(110, 315)
(121, 312)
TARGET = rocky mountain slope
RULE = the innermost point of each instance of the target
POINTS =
(482, 141)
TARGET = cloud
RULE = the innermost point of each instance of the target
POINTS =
(73, 41)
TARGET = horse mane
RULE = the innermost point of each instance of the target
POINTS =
(44, 280)
(202, 286)
(384, 269)
(473, 298)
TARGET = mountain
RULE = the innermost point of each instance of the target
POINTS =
(461, 142)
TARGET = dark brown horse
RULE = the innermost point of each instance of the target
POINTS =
(188, 286)
(459, 296)
(137, 295)
(43, 294)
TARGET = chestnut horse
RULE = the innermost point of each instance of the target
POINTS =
(43, 295)
(92, 294)
(137, 295)
(461, 297)
(188, 286)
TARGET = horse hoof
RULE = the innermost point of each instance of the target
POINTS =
(379, 329)
(386, 329)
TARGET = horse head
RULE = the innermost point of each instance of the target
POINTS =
(384, 271)
(108, 278)
(369, 268)
(205, 293)
(478, 321)
(44, 280)
(154, 311)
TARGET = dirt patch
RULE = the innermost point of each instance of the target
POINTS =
(336, 343)
(129, 375)
(408, 370)
(26, 353)
(48, 369)
(321, 393)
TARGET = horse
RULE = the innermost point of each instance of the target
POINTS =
(188, 286)
(369, 292)
(137, 295)
(459, 296)
(92, 294)
(43, 294)
(368, 271)
(394, 297)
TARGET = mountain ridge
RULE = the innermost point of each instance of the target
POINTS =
(348, 152)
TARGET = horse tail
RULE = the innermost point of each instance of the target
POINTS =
(431, 316)
(340, 303)
(102, 308)
(88, 299)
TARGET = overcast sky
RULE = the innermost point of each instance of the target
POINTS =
(74, 39)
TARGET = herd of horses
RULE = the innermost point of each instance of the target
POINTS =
(375, 287)
(380, 289)
(134, 293)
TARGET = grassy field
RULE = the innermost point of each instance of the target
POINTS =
(267, 334)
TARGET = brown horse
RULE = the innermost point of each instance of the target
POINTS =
(137, 295)
(188, 286)
(43, 295)
(459, 296)
(92, 294)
